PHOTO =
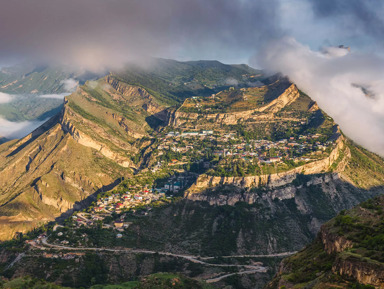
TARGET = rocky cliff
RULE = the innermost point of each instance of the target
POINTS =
(347, 251)
(262, 113)
(85, 149)
(275, 180)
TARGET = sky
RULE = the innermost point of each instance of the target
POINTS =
(295, 37)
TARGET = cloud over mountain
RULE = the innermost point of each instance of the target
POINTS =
(98, 33)
(348, 86)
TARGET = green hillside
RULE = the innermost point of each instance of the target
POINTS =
(26, 79)
(173, 81)
(155, 281)
(178, 167)
(348, 253)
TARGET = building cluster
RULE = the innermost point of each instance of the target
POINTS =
(116, 203)
(186, 146)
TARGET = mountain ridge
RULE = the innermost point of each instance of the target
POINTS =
(258, 169)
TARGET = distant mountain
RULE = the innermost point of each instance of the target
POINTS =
(29, 79)
(348, 253)
(258, 165)
(90, 144)
(173, 81)
(26, 83)
(2, 139)
(169, 80)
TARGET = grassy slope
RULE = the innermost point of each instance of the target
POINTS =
(57, 168)
(155, 281)
(364, 169)
(311, 268)
(172, 81)
(44, 80)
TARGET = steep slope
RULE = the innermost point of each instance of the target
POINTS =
(160, 280)
(27, 78)
(239, 215)
(347, 252)
(266, 164)
(95, 140)
(85, 149)
(26, 83)
(173, 81)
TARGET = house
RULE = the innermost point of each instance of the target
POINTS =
(207, 132)
(274, 159)
(118, 224)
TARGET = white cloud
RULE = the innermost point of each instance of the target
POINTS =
(5, 98)
(55, 96)
(231, 81)
(334, 81)
(12, 130)
(70, 84)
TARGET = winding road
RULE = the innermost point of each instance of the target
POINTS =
(246, 269)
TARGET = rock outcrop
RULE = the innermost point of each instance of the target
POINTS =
(273, 180)
(180, 118)
(370, 273)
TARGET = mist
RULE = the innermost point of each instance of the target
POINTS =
(339, 81)
(5, 97)
(298, 38)
(96, 35)
(15, 130)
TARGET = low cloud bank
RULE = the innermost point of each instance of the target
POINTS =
(13, 130)
(5, 97)
(55, 96)
(70, 84)
(348, 86)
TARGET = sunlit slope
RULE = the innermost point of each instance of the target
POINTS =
(86, 147)
(347, 253)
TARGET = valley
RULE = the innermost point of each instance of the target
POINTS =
(177, 172)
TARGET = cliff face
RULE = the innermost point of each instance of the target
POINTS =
(334, 243)
(45, 176)
(282, 192)
(265, 112)
(69, 117)
(346, 251)
(137, 96)
(370, 273)
(274, 180)
(60, 165)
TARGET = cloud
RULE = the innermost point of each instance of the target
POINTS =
(335, 81)
(5, 98)
(55, 96)
(98, 34)
(353, 17)
(70, 84)
(232, 81)
(95, 34)
(13, 130)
